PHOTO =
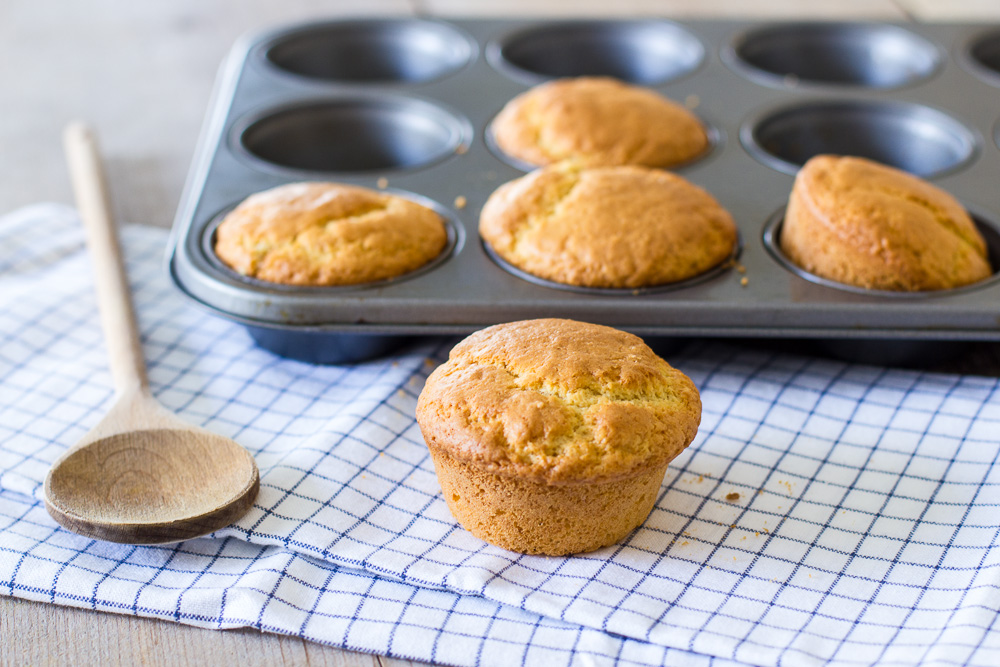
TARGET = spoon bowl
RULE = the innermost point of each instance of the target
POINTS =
(158, 480)
(141, 476)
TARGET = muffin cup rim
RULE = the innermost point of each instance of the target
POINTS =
(756, 118)
(771, 234)
(971, 64)
(259, 52)
(730, 57)
(460, 129)
(454, 230)
(493, 48)
(709, 274)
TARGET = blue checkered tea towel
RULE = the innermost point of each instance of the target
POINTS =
(827, 513)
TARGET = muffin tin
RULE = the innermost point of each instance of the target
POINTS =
(405, 105)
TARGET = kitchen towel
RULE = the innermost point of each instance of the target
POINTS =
(827, 513)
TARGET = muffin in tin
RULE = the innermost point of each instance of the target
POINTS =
(607, 227)
(328, 234)
(861, 223)
(599, 120)
(552, 436)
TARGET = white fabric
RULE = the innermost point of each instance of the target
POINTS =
(865, 531)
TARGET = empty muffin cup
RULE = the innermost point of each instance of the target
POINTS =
(842, 54)
(911, 137)
(640, 52)
(984, 56)
(353, 134)
(399, 50)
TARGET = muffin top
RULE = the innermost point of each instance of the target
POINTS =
(600, 120)
(558, 401)
(328, 234)
(607, 227)
(862, 223)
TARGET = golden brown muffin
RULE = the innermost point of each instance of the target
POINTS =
(624, 226)
(600, 120)
(862, 223)
(328, 234)
(553, 436)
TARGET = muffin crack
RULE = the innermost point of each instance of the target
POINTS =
(562, 192)
(939, 215)
(263, 247)
(535, 123)
(355, 215)
(583, 397)
(533, 450)
(936, 212)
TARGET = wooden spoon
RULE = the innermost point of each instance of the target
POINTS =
(141, 476)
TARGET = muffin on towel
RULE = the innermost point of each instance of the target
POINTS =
(600, 120)
(552, 436)
(862, 223)
(328, 234)
(607, 227)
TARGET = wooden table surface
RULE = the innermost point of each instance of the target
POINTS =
(141, 73)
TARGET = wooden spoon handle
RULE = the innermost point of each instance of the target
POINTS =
(128, 369)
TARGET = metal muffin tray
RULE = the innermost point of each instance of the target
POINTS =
(405, 105)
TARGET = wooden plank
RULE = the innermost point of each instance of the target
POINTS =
(51, 635)
(970, 11)
(140, 72)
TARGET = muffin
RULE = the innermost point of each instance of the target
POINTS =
(600, 120)
(552, 436)
(328, 234)
(607, 227)
(862, 223)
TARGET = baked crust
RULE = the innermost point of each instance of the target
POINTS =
(553, 436)
(328, 234)
(861, 223)
(530, 517)
(600, 120)
(558, 402)
(623, 226)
